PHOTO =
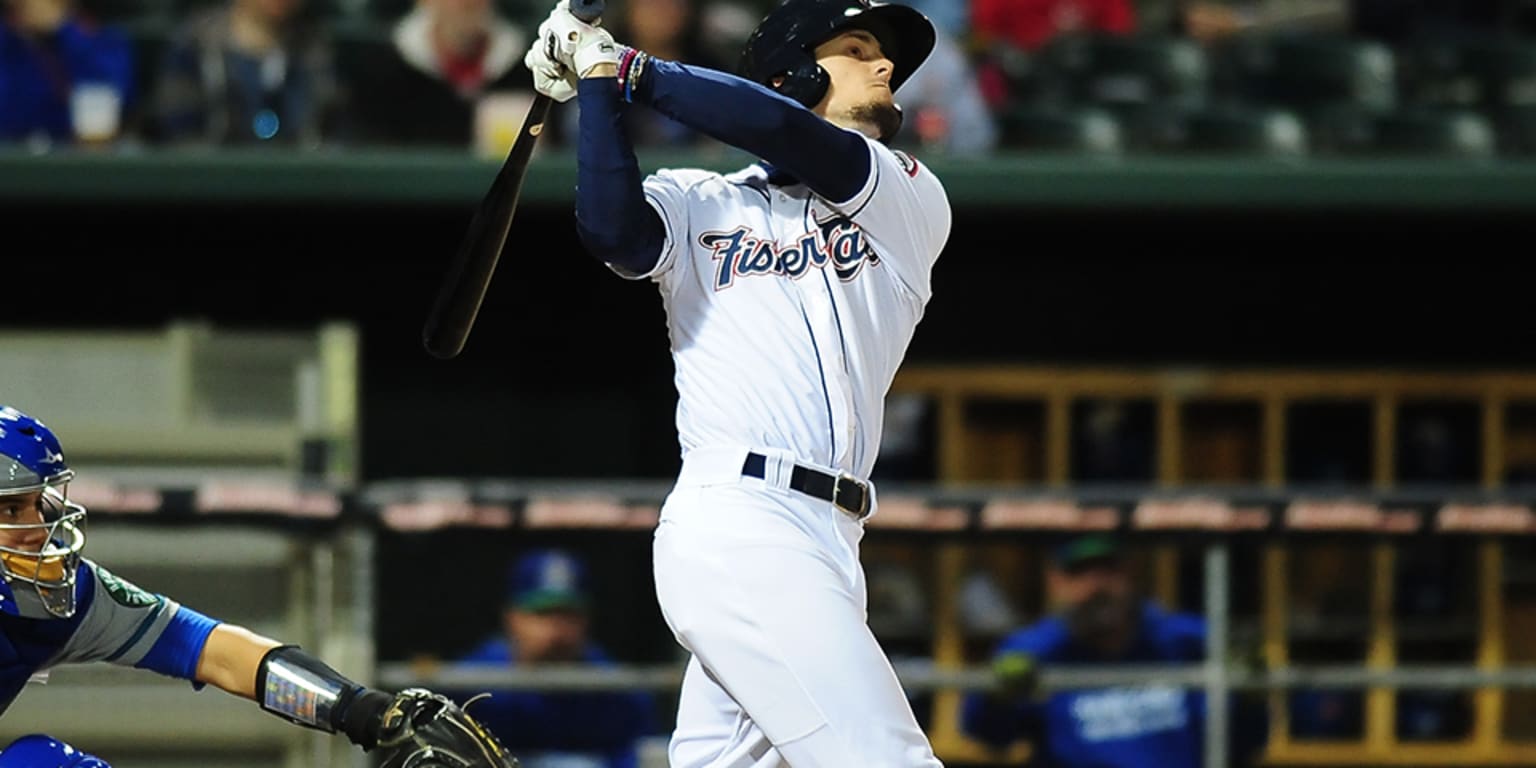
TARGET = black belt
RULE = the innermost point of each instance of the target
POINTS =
(845, 492)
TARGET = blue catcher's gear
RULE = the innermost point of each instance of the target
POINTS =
(41, 531)
(34, 750)
(784, 42)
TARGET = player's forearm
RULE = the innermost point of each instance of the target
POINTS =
(231, 657)
(832, 161)
(614, 221)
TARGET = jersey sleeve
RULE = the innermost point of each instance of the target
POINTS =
(667, 192)
(128, 626)
(905, 212)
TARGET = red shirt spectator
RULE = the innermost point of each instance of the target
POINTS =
(1030, 24)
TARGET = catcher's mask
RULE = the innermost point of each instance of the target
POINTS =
(41, 530)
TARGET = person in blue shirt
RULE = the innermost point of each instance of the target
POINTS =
(47, 49)
(1097, 619)
(545, 621)
(57, 608)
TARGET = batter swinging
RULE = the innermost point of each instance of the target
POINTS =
(792, 289)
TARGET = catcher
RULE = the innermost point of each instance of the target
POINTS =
(58, 608)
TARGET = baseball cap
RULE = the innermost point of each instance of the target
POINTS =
(1079, 550)
(547, 579)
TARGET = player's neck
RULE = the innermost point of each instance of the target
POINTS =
(862, 126)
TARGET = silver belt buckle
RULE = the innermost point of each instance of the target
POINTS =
(837, 489)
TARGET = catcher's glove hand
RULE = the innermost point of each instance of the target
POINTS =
(422, 729)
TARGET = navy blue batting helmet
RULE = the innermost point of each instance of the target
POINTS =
(784, 40)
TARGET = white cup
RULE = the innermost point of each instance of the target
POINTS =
(498, 121)
(95, 110)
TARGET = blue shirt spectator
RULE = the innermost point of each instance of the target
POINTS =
(546, 621)
(249, 72)
(1098, 622)
(46, 51)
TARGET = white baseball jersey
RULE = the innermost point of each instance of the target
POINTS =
(790, 314)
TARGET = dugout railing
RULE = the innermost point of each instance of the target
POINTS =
(950, 529)
(329, 591)
(1227, 500)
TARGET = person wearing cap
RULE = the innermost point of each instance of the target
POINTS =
(1097, 618)
(545, 620)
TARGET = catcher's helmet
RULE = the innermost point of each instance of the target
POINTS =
(42, 551)
(784, 40)
(37, 749)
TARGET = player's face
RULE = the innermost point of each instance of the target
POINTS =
(548, 636)
(22, 509)
(860, 93)
(1095, 596)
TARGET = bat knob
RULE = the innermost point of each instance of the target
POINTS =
(587, 10)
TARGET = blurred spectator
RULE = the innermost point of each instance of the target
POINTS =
(545, 622)
(1098, 620)
(1031, 24)
(906, 440)
(725, 25)
(1425, 596)
(1210, 21)
(668, 29)
(1112, 441)
(943, 106)
(1008, 35)
(52, 58)
(424, 86)
(249, 72)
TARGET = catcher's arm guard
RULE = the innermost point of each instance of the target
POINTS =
(414, 728)
(422, 729)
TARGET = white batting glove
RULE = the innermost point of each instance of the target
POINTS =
(550, 77)
(563, 36)
(594, 49)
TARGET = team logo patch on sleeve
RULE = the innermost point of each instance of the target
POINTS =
(908, 162)
(126, 593)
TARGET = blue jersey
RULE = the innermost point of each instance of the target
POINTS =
(1143, 727)
(589, 730)
(115, 622)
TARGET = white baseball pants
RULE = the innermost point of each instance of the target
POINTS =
(764, 587)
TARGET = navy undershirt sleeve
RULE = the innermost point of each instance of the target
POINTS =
(613, 220)
(832, 161)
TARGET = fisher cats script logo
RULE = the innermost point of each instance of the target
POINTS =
(838, 242)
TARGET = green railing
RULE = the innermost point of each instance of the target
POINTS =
(455, 178)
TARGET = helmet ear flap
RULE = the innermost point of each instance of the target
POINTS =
(807, 83)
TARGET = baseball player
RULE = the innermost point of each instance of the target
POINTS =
(792, 288)
(57, 607)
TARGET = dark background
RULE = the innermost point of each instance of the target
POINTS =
(567, 372)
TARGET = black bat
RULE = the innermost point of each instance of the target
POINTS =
(464, 285)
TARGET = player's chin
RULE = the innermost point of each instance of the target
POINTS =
(883, 114)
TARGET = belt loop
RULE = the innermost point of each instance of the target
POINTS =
(782, 468)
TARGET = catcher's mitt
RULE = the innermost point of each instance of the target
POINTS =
(422, 729)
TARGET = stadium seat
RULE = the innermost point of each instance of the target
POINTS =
(1126, 74)
(1493, 75)
(1311, 74)
(1062, 129)
(1259, 132)
(1517, 132)
(1443, 133)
